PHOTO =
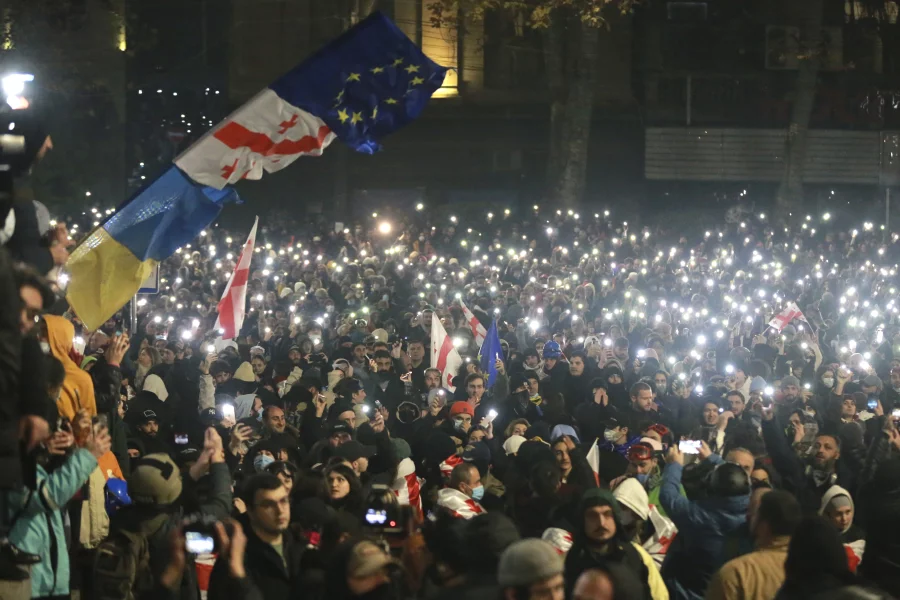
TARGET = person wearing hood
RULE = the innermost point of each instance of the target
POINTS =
(362, 569)
(577, 387)
(837, 506)
(696, 554)
(615, 386)
(635, 506)
(78, 390)
(760, 573)
(600, 539)
(555, 369)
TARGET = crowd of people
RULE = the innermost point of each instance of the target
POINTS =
(672, 414)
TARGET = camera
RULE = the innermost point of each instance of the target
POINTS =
(199, 534)
(382, 513)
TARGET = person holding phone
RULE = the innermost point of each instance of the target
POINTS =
(698, 550)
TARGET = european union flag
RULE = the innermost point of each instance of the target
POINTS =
(490, 352)
(365, 84)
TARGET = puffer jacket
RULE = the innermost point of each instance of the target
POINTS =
(698, 549)
(38, 522)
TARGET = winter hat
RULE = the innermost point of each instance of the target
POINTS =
(630, 493)
(528, 561)
(401, 448)
(511, 445)
(245, 373)
(155, 480)
(381, 335)
(790, 380)
(757, 384)
(561, 430)
(462, 408)
(870, 381)
(257, 351)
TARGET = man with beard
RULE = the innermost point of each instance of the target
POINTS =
(600, 540)
(389, 389)
(272, 561)
(809, 479)
(148, 435)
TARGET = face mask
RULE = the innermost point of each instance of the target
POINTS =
(642, 478)
(828, 382)
(261, 462)
(478, 493)
(259, 416)
(45, 347)
(660, 390)
(611, 435)
(459, 424)
(627, 518)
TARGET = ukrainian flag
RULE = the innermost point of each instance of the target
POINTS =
(108, 267)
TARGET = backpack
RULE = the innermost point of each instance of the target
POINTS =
(122, 566)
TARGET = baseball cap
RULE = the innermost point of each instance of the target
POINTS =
(516, 381)
(340, 427)
(353, 450)
(147, 416)
(462, 408)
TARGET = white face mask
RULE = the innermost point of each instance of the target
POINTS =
(611, 435)
(45, 347)
(828, 382)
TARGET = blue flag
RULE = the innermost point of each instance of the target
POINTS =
(490, 352)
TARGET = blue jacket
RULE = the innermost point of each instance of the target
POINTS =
(698, 549)
(38, 526)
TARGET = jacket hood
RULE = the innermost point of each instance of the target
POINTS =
(599, 497)
(153, 383)
(833, 492)
(60, 333)
(632, 494)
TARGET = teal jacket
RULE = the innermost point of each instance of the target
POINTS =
(38, 526)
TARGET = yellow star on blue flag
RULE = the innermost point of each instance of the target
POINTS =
(367, 70)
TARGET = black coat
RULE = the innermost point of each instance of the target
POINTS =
(273, 578)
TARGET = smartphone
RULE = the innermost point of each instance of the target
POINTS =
(492, 414)
(895, 414)
(199, 542)
(689, 446)
(181, 439)
(873, 404)
(228, 411)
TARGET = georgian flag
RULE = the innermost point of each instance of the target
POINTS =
(478, 329)
(458, 504)
(234, 300)
(406, 487)
(790, 312)
(444, 356)
(265, 134)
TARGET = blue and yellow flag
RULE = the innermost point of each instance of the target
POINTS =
(108, 267)
(364, 85)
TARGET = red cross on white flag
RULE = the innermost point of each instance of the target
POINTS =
(231, 306)
(790, 312)
(478, 329)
